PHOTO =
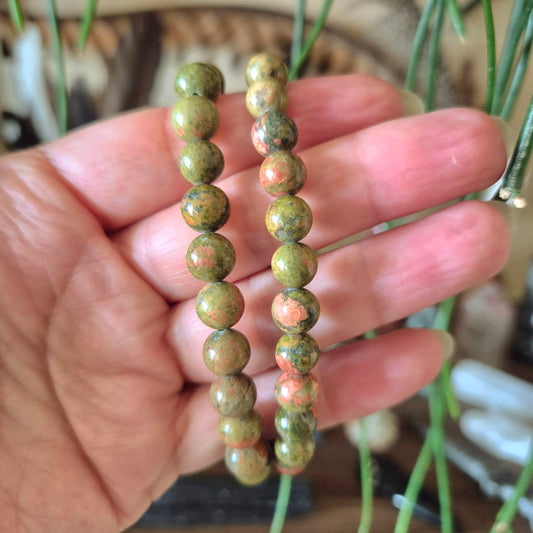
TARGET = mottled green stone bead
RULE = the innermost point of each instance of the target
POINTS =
(294, 264)
(282, 173)
(205, 208)
(199, 79)
(210, 257)
(274, 131)
(296, 392)
(233, 395)
(226, 352)
(240, 431)
(266, 66)
(219, 305)
(249, 465)
(201, 162)
(265, 96)
(195, 118)
(295, 310)
(296, 353)
(289, 219)
(295, 426)
(294, 454)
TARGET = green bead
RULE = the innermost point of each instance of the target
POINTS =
(226, 352)
(296, 392)
(195, 118)
(282, 173)
(249, 465)
(297, 353)
(199, 79)
(295, 310)
(295, 426)
(289, 219)
(205, 208)
(233, 395)
(219, 305)
(210, 257)
(274, 131)
(266, 66)
(201, 162)
(240, 431)
(294, 454)
(294, 264)
(265, 96)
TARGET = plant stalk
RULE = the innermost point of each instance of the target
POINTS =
(454, 12)
(298, 31)
(15, 12)
(433, 57)
(282, 503)
(491, 53)
(366, 479)
(86, 23)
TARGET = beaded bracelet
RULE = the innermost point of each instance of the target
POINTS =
(211, 257)
(295, 310)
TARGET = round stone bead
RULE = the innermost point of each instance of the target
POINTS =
(265, 96)
(296, 392)
(199, 79)
(295, 310)
(195, 118)
(240, 431)
(219, 305)
(296, 353)
(226, 352)
(295, 426)
(201, 162)
(233, 395)
(294, 264)
(205, 208)
(272, 132)
(210, 257)
(294, 454)
(266, 66)
(248, 465)
(289, 219)
(282, 173)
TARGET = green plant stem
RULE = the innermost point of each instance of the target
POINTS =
(86, 23)
(436, 412)
(61, 89)
(507, 512)
(282, 503)
(16, 15)
(491, 53)
(457, 18)
(310, 41)
(416, 480)
(297, 31)
(514, 173)
(366, 479)
(520, 70)
(418, 45)
(433, 57)
(515, 28)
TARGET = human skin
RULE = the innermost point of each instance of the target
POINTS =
(103, 389)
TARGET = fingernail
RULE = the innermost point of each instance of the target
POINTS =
(411, 102)
(447, 343)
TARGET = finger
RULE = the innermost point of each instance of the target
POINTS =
(355, 380)
(365, 285)
(126, 169)
(355, 182)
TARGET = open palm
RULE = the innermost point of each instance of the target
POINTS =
(103, 391)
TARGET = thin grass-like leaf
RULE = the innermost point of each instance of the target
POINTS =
(310, 41)
(15, 12)
(297, 31)
(519, 72)
(418, 45)
(87, 23)
(365, 461)
(491, 54)
(456, 17)
(282, 503)
(433, 57)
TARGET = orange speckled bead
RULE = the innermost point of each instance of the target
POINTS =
(295, 310)
(248, 465)
(296, 353)
(195, 118)
(264, 96)
(294, 453)
(289, 219)
(210, 257)
(205, 208)
(240, 431)
(294, 264)
(226, 352)
(274, 131)
(296, 392)
(233, 395)
(266, 66)
(219, 305)
(282, 173)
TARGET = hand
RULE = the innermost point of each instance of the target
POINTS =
(103, 391)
